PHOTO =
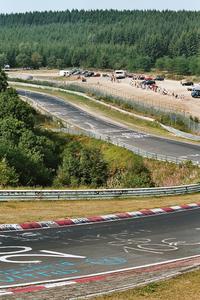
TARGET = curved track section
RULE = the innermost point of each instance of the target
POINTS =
(88, 122)
(69, 253)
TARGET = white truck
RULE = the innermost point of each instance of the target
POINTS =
(65, 73)
(120, 74)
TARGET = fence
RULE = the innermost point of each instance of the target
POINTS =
(28, 195)
(175, 114)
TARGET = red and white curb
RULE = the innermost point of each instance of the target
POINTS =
(96, 219)
(36, 288)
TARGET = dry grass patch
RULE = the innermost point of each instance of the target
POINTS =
(183, 287)
(169, 174)
(17, 212)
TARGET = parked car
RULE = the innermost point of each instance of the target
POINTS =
(89, 74)
(120, 74)
(159, 78)
(65, 73)
(148, 78)
(149, 82)
(186, 82)
(105, 75)
(84, 72)
(7, 67)
(97, 75)
(195, 94)
(73, 71)
(195, 87)
(190, 88)
(141, 77)
(78, 72)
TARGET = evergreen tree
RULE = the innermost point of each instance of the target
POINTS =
(3, 60)
(3, 81)
(133, 40)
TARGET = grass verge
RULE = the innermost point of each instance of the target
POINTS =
(183, 287)
(17, 212)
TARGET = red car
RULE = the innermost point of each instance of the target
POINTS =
(97, 75)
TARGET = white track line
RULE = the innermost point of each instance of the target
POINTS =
(72, 279)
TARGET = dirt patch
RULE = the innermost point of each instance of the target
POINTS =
(124, 89)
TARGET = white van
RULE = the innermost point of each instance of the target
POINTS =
(120, 74)
(65, 73)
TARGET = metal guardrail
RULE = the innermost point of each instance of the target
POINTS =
(98, 194)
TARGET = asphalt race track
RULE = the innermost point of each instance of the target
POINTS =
(93, 124)
(71, 252)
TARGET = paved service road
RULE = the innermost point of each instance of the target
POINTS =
(58, 253)
(93, 124)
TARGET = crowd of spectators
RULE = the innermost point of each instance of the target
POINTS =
(147, 85)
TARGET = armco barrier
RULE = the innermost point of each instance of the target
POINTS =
(28, 195)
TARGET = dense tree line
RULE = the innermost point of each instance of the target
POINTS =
(135, 40)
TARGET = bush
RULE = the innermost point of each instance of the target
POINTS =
(82, 166)
(8, 175)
